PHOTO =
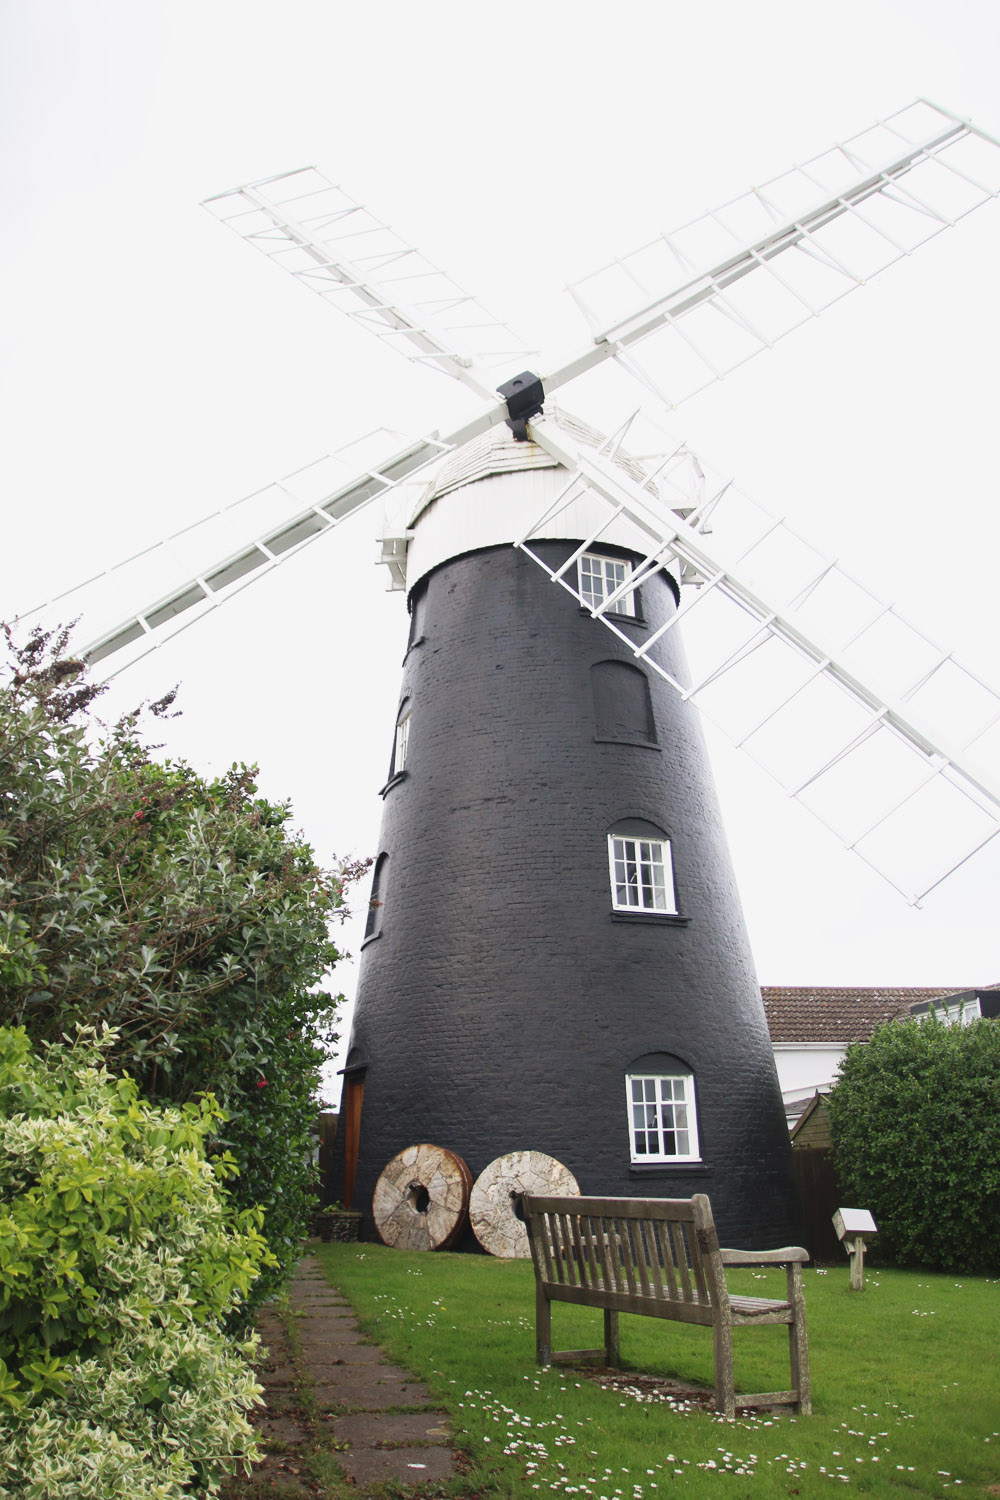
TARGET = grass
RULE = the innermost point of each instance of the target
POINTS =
(905, 1376)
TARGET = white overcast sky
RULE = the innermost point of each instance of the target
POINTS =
(153, 368)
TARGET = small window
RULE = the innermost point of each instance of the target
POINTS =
(663, 1124)
(402, 740)
(600, 577)
(418, 612)
(642, 874)
(400, 744)
(376, 901)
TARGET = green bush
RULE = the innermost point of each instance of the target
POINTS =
(185, 913)
(915, 1120)
(121, 1261)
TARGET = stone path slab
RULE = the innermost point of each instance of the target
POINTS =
(403, 1465)
(370, 1429)
(318, 1329)
(370, 1388)
(337, 1390)
(345, 1354)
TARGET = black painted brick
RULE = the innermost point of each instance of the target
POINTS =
(501, 1005)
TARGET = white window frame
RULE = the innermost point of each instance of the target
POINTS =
(402, 744)
(662, 1116)
(598, 576)
(962, 1013)
(642, 874)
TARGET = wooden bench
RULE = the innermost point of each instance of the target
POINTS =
(659, 1256)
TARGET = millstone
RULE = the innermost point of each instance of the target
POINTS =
(494, 1198)
(421, 1199)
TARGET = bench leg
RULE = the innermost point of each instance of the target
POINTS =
(611, 1349)
(722, 1342)
(798, 1350)
(543, 1327)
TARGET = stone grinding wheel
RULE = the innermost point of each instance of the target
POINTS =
(493, 1206)
(421, 1200)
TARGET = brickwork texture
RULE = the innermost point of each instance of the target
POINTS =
(501, 1002)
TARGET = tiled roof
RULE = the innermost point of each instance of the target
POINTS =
(839, 1015)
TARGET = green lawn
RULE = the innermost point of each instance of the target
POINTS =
(905, 1378)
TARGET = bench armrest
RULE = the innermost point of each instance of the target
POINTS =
(790, 1255)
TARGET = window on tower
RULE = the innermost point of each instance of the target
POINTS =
(400, 747)
(641, 868)
(662, 1114)
(599, 577)
(417, 612)
(402, 740)
(376, 900)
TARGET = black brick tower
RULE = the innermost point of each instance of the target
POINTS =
(503, 1003)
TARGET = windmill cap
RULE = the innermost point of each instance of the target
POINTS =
(472, 505)
(499, 452)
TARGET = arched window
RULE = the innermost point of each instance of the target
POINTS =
(641, 867)
(623, 709)
(418, 602)
(376, 901)
(662, 1110)
(402, 740)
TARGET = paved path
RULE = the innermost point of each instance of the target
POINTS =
(335, 1399)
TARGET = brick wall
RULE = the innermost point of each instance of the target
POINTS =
(502, 1002)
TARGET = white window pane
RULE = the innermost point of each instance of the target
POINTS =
(402, 741)
(642, 874)
(598, 577)
(661, 1117)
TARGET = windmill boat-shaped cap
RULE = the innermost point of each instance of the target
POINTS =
(494, 452)
(470, 503)
(500, 452)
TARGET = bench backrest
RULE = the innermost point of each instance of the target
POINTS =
(659, 1250)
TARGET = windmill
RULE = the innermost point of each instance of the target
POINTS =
(556, 957)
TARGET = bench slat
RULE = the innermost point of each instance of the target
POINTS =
(562, 1246)
(649, 1278)
(759, 1304)
(676, 1210)
(593, 1266)
(682, 1260)
(607, 1272)
(541, 1255)
(666, 1260)
(579, 1250)
(624, 1241)
(621, 1300)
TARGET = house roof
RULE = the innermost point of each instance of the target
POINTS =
(844, 1015)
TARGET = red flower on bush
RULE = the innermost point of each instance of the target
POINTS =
(262, 1083)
